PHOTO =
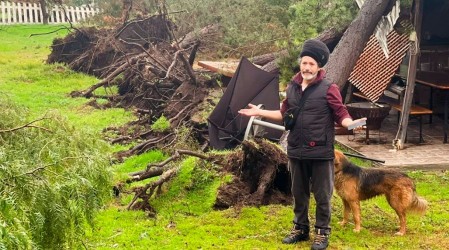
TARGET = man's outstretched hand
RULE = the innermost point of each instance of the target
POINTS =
(252, 110)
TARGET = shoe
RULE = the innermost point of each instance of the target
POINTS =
(296, 235)
(321, 240)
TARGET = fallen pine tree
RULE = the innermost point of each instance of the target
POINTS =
(155, 78)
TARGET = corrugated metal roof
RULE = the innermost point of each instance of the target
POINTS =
(373, 71)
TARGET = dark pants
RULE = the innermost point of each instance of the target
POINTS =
(319, 176)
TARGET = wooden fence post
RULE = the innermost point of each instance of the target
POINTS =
(2, 13)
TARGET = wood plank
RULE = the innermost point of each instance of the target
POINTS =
(414, 109)
(361, 95)
(224, 68)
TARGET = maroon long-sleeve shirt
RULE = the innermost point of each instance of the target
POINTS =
(333, 96)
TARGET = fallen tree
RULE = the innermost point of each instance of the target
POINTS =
(259, 176)
(354, 40)
(151, 70)
(155, 78)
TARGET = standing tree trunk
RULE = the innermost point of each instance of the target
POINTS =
(44, 11)
(345, 55)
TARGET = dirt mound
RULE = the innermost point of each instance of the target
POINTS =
(94, 51)
(260, 176)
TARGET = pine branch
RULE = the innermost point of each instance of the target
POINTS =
(31, 172)
(28, 125)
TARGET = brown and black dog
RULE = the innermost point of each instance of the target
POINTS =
(354, 184)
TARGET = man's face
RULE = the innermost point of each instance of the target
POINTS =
(308, 67)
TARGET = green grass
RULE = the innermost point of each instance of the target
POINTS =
(136, 163)
(42, 88)
(185, 218)
(181, 223)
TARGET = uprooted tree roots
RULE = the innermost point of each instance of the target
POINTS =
(259, 176)
(152, 72)
(153, 75)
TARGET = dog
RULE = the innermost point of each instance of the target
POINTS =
(354, 184)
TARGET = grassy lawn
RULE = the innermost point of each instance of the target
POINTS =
(184, 215)
(42, 88)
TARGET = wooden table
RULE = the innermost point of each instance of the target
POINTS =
(439, 83)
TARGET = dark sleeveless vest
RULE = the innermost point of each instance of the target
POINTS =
(313, 134)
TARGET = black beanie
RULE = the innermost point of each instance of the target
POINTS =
(317, 50)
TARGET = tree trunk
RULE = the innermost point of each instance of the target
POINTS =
(199, 36)
(266, 58)
(126, 9)
(331, 37)
(345, 55)
(269, 61)
(44, 11)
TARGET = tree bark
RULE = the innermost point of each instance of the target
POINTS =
(44, 11)
(331, 37)
(345, 55)
(271, 67)
(198, 36)
(126, 9)
(269, 61)
(267, 58)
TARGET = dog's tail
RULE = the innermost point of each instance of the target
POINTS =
(418, 205)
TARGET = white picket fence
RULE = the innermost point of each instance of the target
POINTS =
(23, 13)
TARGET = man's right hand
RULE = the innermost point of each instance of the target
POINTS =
(252, 110)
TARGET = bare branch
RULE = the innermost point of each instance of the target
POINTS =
(156, 169)
(28, 125)
(51, 32)
(32, 172)
(110, 77)
(173, 64)
(144, 145)
(180, 112)
(141, 192)
(189, 69)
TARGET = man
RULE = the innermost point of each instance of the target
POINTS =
(311, 141)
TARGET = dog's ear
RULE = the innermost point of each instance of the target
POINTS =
(339, 159)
